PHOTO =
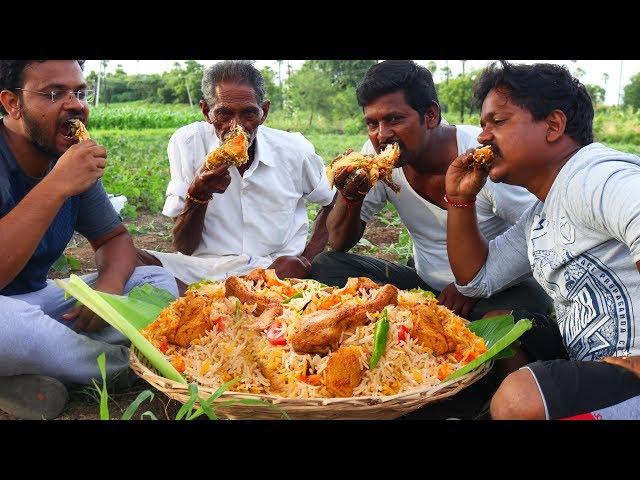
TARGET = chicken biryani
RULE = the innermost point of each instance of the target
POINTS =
(302, 339)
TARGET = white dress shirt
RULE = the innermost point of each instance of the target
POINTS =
(261, 215)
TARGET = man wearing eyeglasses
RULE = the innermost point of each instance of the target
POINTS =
(230, 220)
(50, 187)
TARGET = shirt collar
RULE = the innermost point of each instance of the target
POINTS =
(263, 153)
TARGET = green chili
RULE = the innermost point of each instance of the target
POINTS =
(379, 339)
(199, 284)
(297, 295)
(238, 309)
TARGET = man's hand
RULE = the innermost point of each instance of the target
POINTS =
(208, 182)
(353, 184)
(451, 298)
(290, 266)
(464, 179)
(85, 319)
(630, 363)
(78, 168)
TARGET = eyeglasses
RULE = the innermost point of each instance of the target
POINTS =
(55, 95)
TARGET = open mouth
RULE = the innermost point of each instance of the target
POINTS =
(72, 130)
(66, 130)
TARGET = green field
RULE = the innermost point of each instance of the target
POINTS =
(138, 166)
(136, 136)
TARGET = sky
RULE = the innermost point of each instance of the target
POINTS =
(594, 69)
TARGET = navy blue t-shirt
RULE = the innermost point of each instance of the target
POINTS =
(90, 213)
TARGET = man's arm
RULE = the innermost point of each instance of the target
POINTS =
(320, 235)
(466, 246)
(23, 227)
(480, 269)
(345, 228)
(188, 225)
(115, 259)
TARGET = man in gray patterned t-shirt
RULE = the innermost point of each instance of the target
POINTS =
(581, 240)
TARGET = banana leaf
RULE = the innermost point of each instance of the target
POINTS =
(498, 333)
(118, 312)
(150, 294)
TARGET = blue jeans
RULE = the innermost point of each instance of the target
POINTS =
(35, 340)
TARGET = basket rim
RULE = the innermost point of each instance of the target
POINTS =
(148, 374)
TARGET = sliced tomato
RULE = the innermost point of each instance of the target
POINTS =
(219, 324)
(403, 333)
(277, 333)
(163, 346)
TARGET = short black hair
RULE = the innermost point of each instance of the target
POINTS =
(394, 75)
(11, 74)
(238, 71)
(541, 88)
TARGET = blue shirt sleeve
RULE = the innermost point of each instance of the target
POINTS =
(96, 215)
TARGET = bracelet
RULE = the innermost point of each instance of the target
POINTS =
(347, 201)
(197, 200)
(461, 205)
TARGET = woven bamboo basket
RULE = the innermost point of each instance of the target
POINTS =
(371, 408)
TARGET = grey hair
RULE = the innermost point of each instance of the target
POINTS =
(234, 71)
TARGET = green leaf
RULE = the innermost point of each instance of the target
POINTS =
(199, 284)
(74, 263)
(297, 295)
(131, 409)
(206, 403)
(96, 303)
(187, 407)
(426, 293)
(497, 346)
(104, 396)
(506, 353)
(151, 294)
(148, 414)
(136, 312)
(492, 329)
(60, 265)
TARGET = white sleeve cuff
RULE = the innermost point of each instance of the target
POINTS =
(475, 288)
(176, 194)
(321, 194)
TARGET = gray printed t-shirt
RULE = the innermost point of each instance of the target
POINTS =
(582, 245)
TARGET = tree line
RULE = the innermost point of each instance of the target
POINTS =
(319, 88)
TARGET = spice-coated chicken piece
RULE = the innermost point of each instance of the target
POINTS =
(375, 166)
(320, 331)
(234, 150)
(429, 330)
(344, 371)
(78, 129)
